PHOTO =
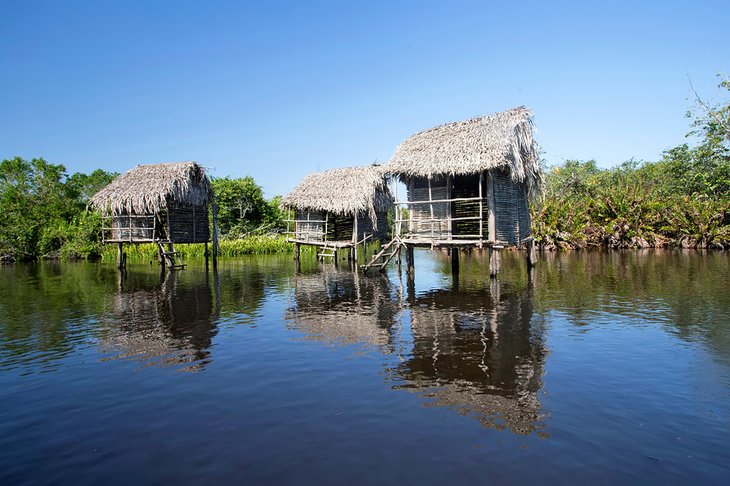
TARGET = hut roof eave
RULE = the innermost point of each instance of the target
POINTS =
(147, 189)
(501, 140)
(345, 191)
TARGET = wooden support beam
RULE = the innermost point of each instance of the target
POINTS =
(481, 206)
(120, 257)
(430, 198)
(454, 261)
(491, 219)
(531, 253)
(410, 264)
(493, 262)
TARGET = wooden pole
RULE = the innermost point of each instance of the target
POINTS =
(297, 262)
(493, 262)
(491, 219)
(531, 253)
(430, 198)
(120, 255)
(215, 236)
(455, 261)
(481, 206)
(353, 252)
(450, 209)
(410, 265)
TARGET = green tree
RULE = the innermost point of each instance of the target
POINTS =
(43, 210)
(241, 205)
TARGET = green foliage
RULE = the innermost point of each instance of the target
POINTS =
(44, 210)
(242, 207)
(684, 199)
(632, 205)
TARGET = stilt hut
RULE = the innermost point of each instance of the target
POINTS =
(157, 203)
(339, 208)
(468, 183)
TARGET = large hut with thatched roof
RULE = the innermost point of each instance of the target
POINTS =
(156, 203)
(468, 182)
(339, 208)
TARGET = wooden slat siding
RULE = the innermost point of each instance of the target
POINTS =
(523, 209)
(339, 227)
(365, 225)
(142, 228)
(188, 225)
(512, 217)
(309, 230)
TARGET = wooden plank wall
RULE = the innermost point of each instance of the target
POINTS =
(512, 215)
(188, 224)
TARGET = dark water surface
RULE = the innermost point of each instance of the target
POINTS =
(612, 368)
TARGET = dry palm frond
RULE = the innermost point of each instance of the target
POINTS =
(501, 140)
(147, 189)
(351, 190)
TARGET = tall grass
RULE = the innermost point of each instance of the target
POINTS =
(250, 245)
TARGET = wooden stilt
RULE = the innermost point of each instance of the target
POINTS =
(120, 257)
(493, 262)
(216, 248)
(531, 253)
(206, 254)
(410, 265)
(455, 261)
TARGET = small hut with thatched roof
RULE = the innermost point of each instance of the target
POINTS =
(468, 183)
(156, 203)
(339, 208)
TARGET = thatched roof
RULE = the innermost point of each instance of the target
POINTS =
(351, 190)
(148, 188)
(499, 140)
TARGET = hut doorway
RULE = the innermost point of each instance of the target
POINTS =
(468, 217)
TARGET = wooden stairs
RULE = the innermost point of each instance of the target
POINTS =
(327, 252)
(168, 254)
(381, 259)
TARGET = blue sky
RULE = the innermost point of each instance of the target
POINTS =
(278, 89)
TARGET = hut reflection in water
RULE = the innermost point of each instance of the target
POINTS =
(477, 351)
(343, 307)
(166, 323)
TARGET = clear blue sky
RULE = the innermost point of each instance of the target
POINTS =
(277, 89)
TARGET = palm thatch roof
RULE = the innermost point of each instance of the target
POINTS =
(148, 188)
(351, 190)
(501, 140)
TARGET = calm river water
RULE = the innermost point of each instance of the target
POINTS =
(612, 368)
